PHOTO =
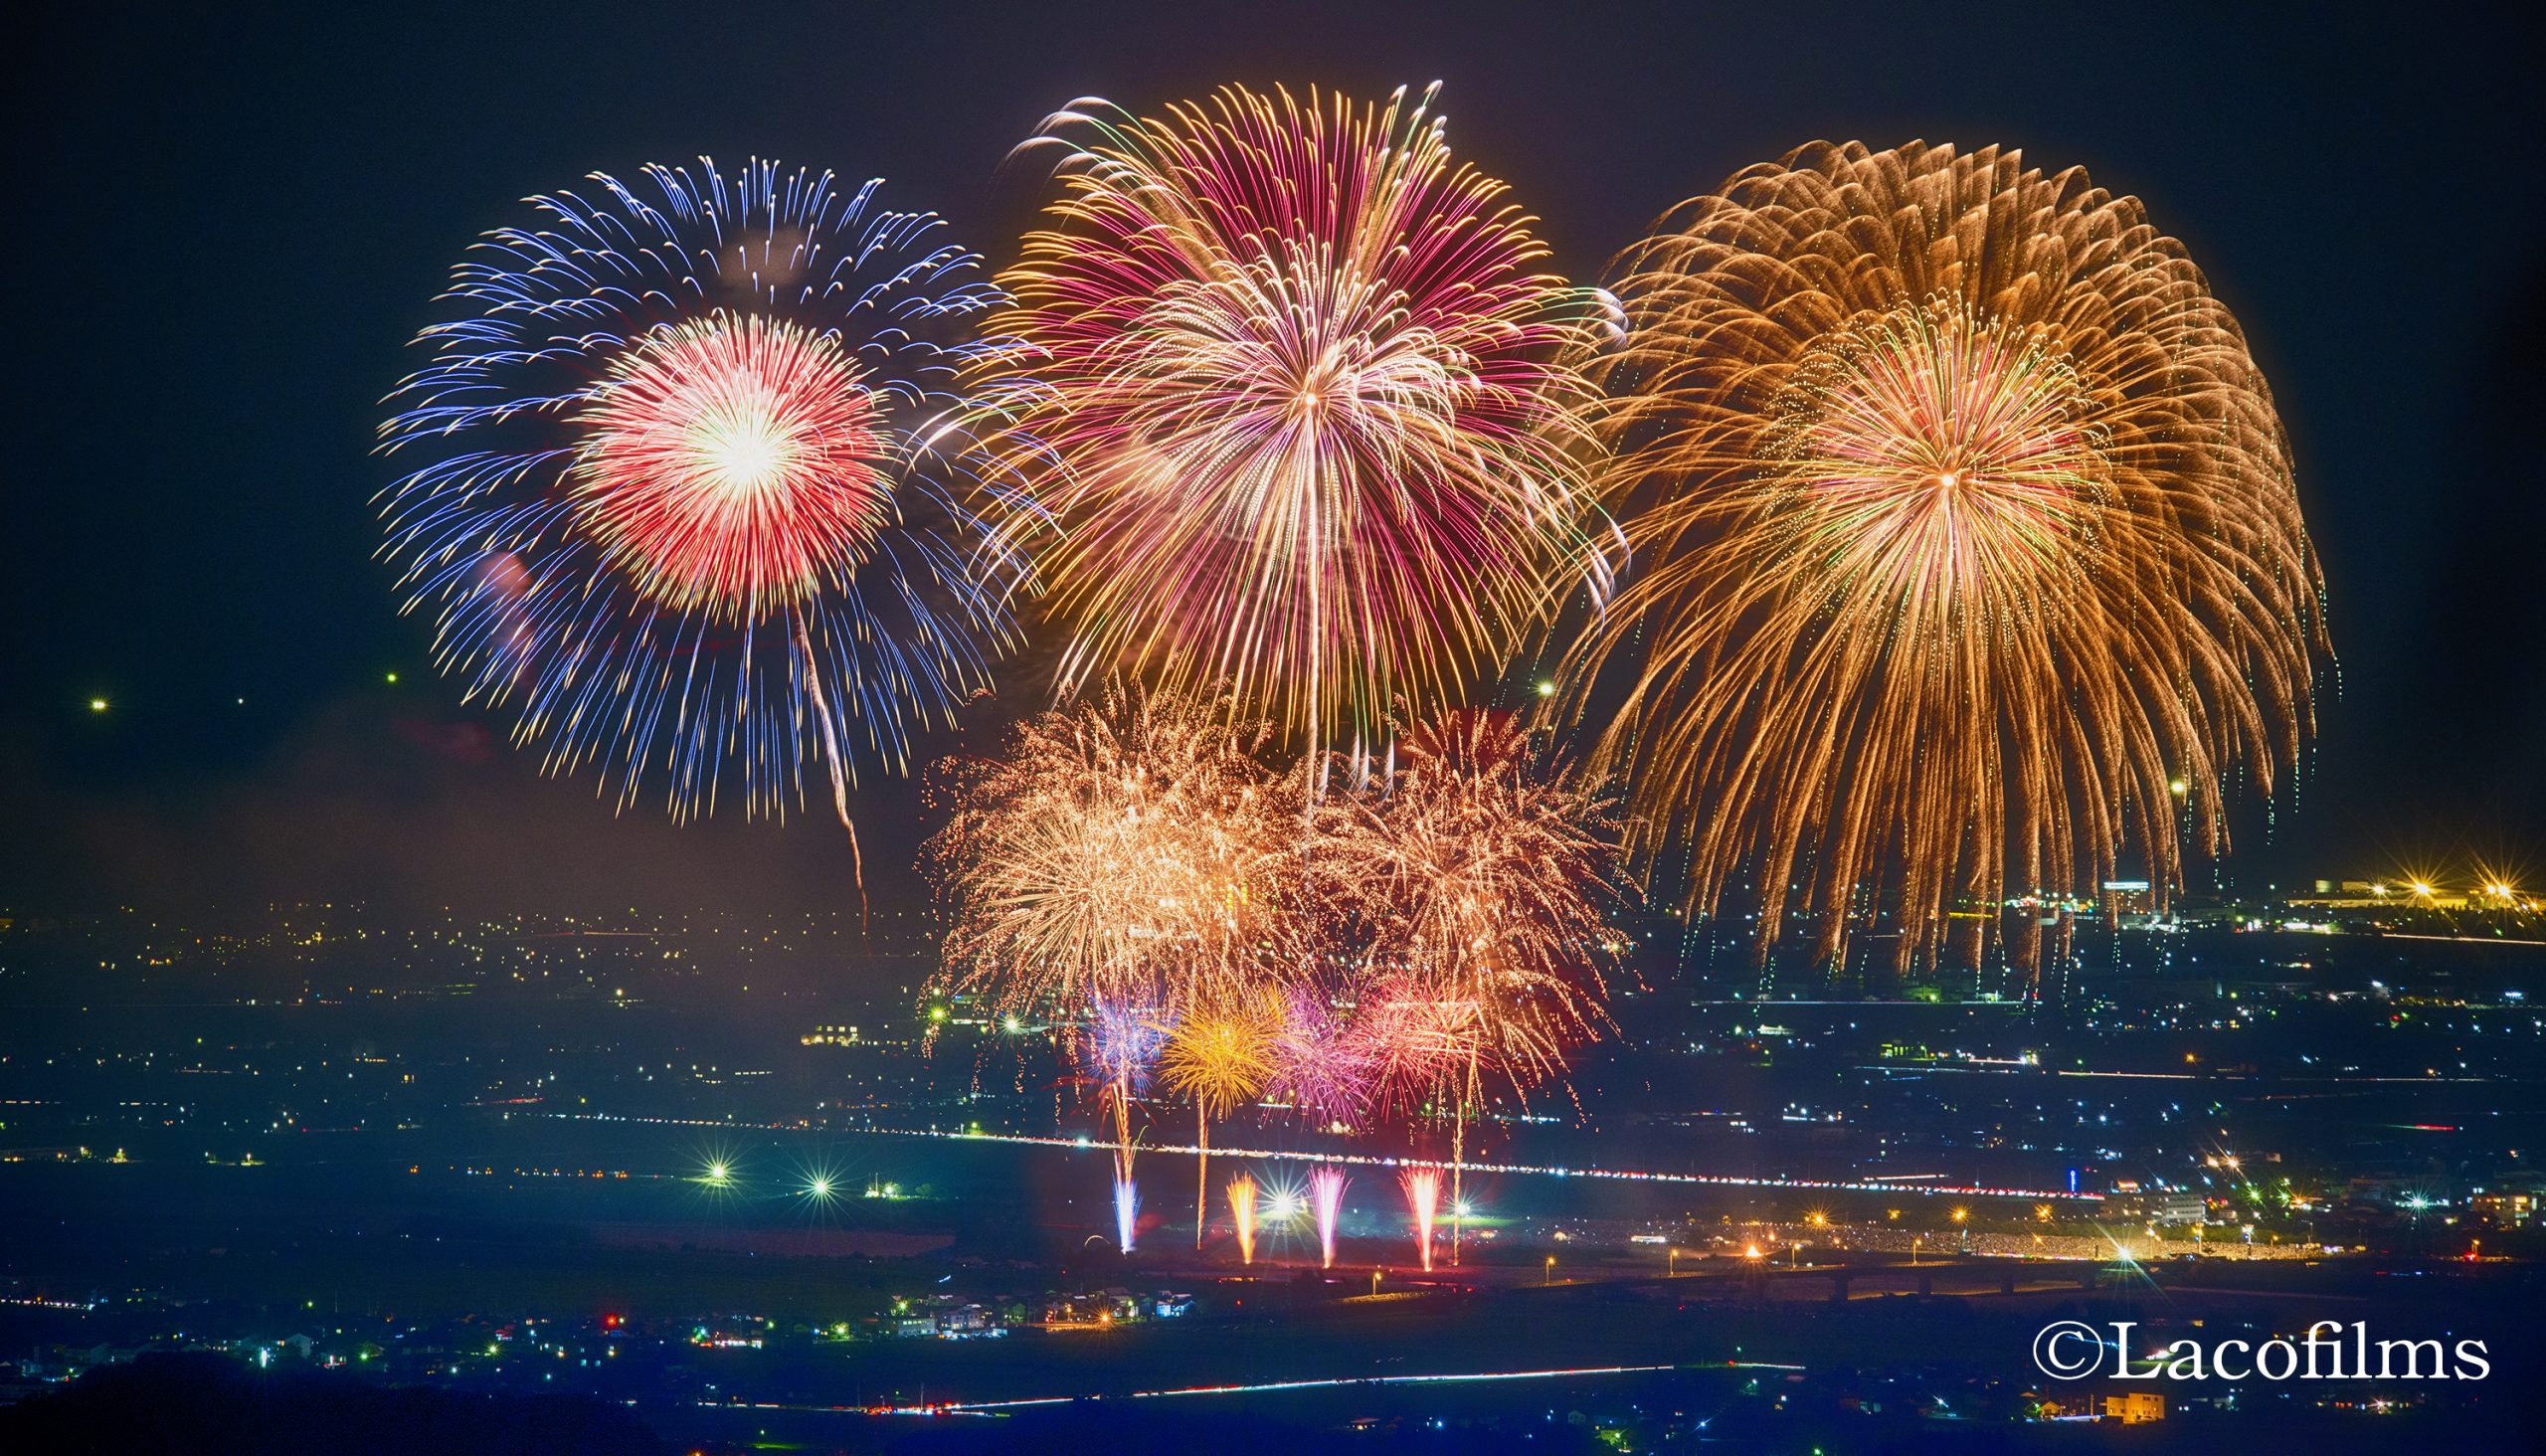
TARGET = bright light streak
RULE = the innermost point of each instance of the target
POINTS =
(960, 1406)
(1423, 1197)
(1127, 1213)
(1242, 1213)
(1325, 1190)
(1374, 1159)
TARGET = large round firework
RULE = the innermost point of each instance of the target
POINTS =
(687, 463)
(1298, 416)
(1968, 548)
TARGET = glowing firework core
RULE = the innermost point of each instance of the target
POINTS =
(732, 462)
(1935, 447)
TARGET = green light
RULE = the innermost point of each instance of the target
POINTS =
(718, 1172)
(820, 1187)
(97, 705)
(1545, 688)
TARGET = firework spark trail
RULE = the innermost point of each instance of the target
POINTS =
(684, 485)
(1243, 1215)
(1127, 1213)
(1423, 1199)
(1299, 418)
(1121, 1045)
(1326, 1194)
(1970, 549)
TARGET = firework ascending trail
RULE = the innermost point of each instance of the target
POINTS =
(1423, 1198)
(1299, 420)
(1326, 1195)
(1970, 546)
(685, 486)
(1121, 1045)
(1243, 1215)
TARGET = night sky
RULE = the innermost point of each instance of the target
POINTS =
(227, 228)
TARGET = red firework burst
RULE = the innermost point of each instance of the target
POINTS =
(731, 463)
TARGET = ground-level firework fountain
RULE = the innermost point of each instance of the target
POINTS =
(1325, 1192)
(1242, 1213)
(1127, 1213)
(1423, 1197)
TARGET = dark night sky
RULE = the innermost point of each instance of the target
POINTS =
(228, 228)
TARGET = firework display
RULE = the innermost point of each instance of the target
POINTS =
(1968, 548)
(1128, 873)
(1297, 419)
(1124, 853)
(1966, 566)
(1219, 1056)
(1121, 861)
(685, 480)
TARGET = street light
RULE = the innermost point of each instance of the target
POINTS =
(1548, 1277)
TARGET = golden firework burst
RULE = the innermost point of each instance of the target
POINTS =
(1965, 529)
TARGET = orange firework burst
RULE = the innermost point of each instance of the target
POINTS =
(1221, 1055)
(1300, 416)
(1128, 851)
(1970, 543)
